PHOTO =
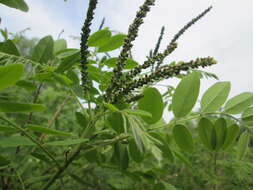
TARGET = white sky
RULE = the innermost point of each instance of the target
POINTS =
(225, 33)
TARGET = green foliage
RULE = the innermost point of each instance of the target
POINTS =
(43, 51)
(215, 96)
(10, 74)
(239, 103)
(183, 138)
(100, 124)
(17, 4)
(13, 107)
(186, 95)
(151, 102)
(9, 47)
(243, 145)
(232, 133)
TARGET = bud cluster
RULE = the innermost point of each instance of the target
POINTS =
(131, 36)
(163, 72)
(84, 40)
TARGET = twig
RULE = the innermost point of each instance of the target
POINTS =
(32, 139)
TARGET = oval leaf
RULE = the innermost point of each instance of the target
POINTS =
(247, 115)
(9, 47)
(129, 64)
(47, 131)
(17, 4)
(243, 145)
(99, 38)
(215, 96)
(43, 51)
(239, 103)
(10, 74)
(134, 152)
(60, 45)
(152, 102)
(12, 107)
(112, 43)
(205, 131)
(115, 120)
(183, 138)
(221, 132)
(232, 133)
(186, 95)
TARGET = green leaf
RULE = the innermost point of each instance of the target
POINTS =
(182, 158)
(164, 146)
(12, 107)
(68, 62)
(43, 51)
(239, 103)
(111, 62)
(82, 119)
(134, 152)
(10, 74)
(15, 141)
(220, 127)
(247, 115)
(232, 133)
(66, 142)
(99, 38)
(59, 45)
(112, 43)
(215, 96)
(137, 112)
(7, 129)
(41, 157)
(129, 64)
(29, 86)
(9, 47)
(169, 186)
(17, 4)
(243, 145)
(120, 156)
(152, 102)
(186, 95)
(62, 79)
(48, 131)
(206, 133)
(183, 138)
(3, 161)
(115, 120)
(111, 107)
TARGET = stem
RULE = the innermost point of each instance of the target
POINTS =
(77, 152)
(20, 180)
(32, 139)
(175, 121)
(215, 187)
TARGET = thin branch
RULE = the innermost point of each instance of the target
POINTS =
(32, 139)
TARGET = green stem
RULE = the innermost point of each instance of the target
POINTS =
(20, 179)
(32, 139)
(175, 121)
(215, 187)
(77, 152)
